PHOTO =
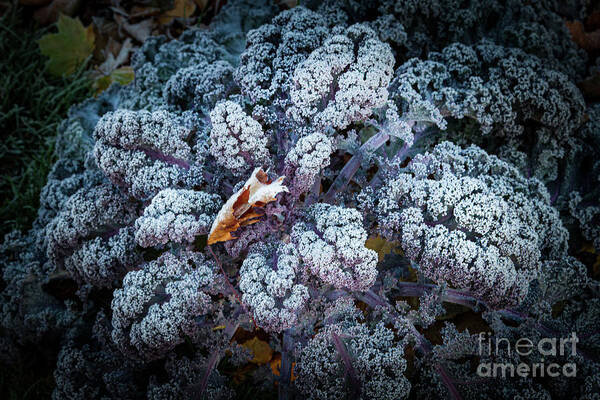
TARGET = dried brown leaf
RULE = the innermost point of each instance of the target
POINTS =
(112, 62)
(586, 40)
(139, 31)
(49, 14)
(243, 208)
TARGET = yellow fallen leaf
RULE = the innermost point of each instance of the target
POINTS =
(261, 350)
(123, 75)
(241, 208)
(68, 48)
(381, 246)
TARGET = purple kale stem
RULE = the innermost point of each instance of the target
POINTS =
(412, 289)
(354, 381)
(110, 233)
(212, 362)
(374, 143)
(313, 195)
(547, 331)
(285, 371)
(401, 154)
(423, 344)
(233, 290)
(445, 218)
(155, 155)
(374, 300)
(555, 195)
(448, 382)
(335, 294)
(214, 359)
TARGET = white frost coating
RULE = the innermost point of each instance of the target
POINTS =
(587, 217)
(176, 215)
(332, 246)
(236, 140)
(90, 237)
(275, 49)
(268, 282)
(101, 262)
(158, 304)
(472, 220)
(500, 87)
(199, 86)
(375, 355)
(141, 152)
(342, 81)
(132, 129)
(306, 160)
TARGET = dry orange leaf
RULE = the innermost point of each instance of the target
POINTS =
(241, 208)
(260, 349)
(276, 366)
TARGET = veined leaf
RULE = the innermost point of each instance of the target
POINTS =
(68, 48)
(241, 208)
(260, 349)
(123, 75)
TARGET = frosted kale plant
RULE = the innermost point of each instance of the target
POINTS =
(362, 188)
